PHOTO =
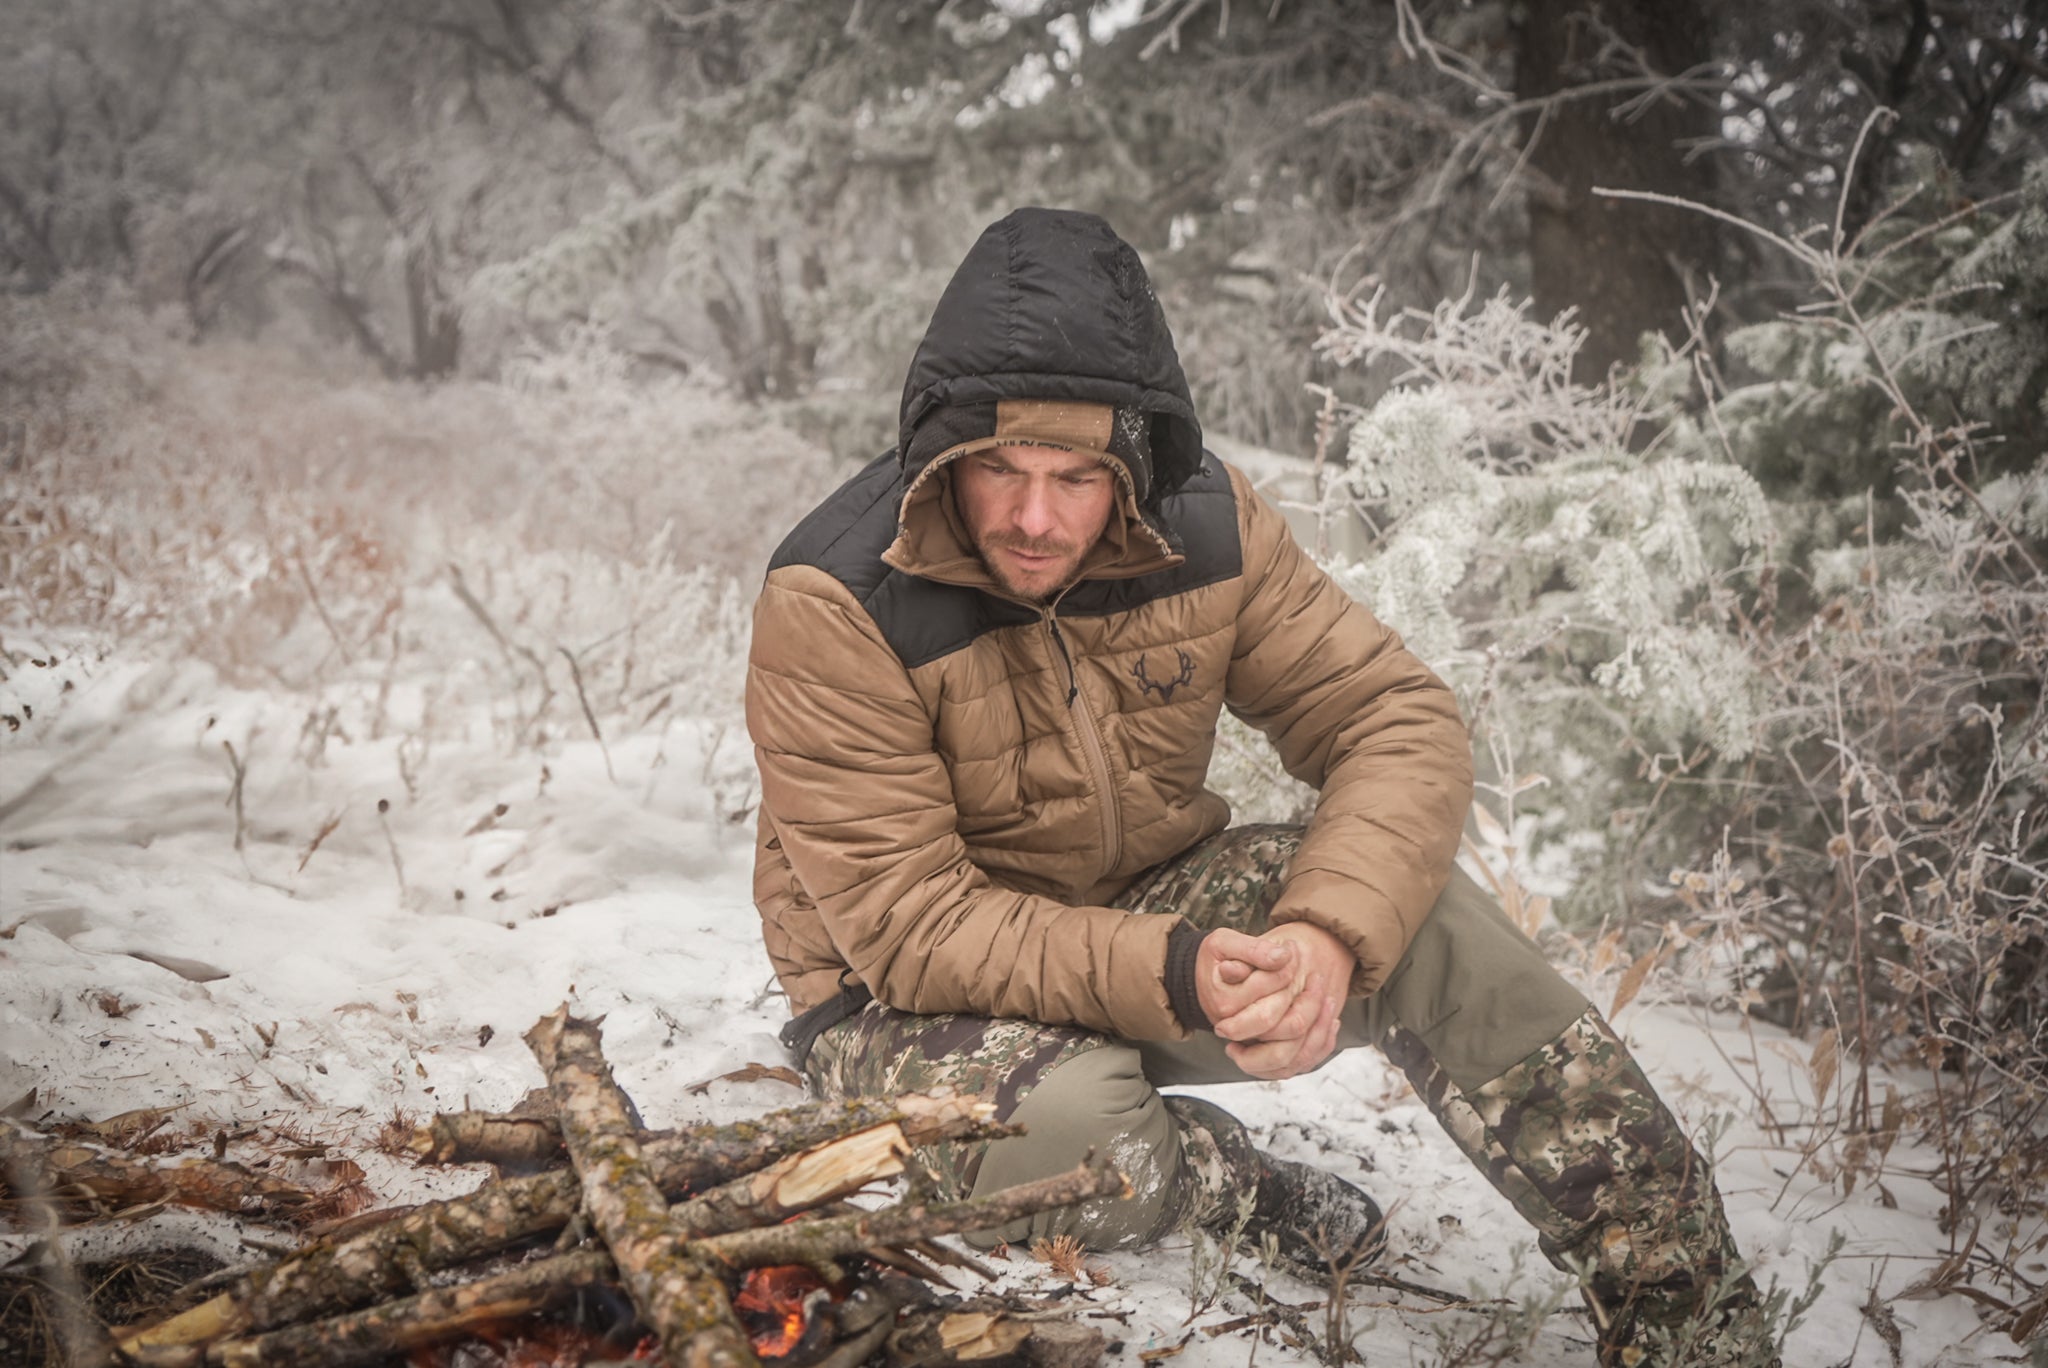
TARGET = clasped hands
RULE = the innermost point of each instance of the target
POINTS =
(1276, 998)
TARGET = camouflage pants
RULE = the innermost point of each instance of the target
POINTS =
(1528, 1080)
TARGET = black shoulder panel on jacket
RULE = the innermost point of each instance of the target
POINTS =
(841, 532)
(923, 620)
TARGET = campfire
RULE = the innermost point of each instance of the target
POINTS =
(778, 1299)
(717, 1247)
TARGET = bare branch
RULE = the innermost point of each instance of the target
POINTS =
(576, 677)
(523, 62)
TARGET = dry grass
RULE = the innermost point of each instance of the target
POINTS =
(228, 492)
(122, 1292)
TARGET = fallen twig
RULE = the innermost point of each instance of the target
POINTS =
(240, 772)
(576, 678)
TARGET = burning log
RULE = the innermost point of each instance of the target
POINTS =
(428, 1318)
(753, 1196)
(382, 1262)
(685, 1303)
(443, 1312)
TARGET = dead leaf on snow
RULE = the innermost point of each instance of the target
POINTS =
(751, 1072)
(1632, 982)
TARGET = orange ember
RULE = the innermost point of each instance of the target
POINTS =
(778, 1293)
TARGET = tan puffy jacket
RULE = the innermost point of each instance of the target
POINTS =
(953, 783)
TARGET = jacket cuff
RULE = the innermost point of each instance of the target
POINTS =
(1183, 943)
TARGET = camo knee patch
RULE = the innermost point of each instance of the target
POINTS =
(879, 1052)
(1232, 879)
(1219, 1165)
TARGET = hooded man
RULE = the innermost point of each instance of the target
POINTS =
(984, 688)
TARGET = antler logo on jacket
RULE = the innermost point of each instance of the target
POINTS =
(1164, 687)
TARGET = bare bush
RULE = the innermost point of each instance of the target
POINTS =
(589, 538)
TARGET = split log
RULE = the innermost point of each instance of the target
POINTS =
(814, 1242)
(942, 1339)
(69, 1170)
(797, 1183)
(395, 1327)
(990, 1328)
(681, 1300)
(381, 1262)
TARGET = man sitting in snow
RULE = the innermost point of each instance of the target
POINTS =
(984, 688)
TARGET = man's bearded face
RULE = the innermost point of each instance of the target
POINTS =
(1034, 513)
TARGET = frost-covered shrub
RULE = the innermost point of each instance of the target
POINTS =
(1563, 572)
(1765, 658)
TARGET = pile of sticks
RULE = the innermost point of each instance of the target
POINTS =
(758, 1194)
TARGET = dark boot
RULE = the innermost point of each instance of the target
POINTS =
(1578, 1140)
(1316, 1219)
(1319, 1222)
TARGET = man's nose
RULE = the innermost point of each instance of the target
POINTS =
(1036, 516)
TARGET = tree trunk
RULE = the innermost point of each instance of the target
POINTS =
(435, 322)
(1622, 265)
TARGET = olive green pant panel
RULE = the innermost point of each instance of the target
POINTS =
(1473, 989)
(1097, 1101)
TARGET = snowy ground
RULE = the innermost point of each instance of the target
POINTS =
(392, 965)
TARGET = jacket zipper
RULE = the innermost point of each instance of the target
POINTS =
(1093, 751)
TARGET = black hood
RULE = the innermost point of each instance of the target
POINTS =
(1052, 304)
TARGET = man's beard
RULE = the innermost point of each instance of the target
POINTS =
(985, 548)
